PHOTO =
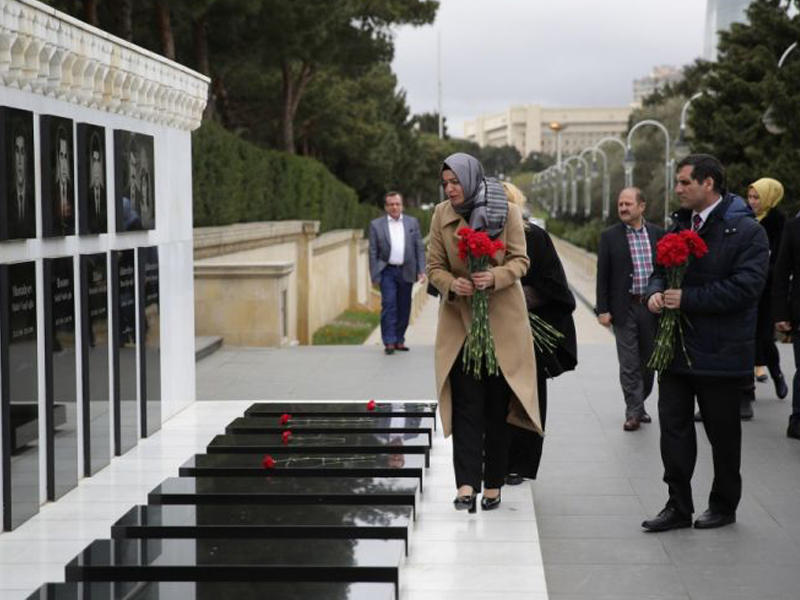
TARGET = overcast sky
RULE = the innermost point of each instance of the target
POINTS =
(496, 53)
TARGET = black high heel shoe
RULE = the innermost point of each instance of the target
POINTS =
(490, 503)
(466, 502)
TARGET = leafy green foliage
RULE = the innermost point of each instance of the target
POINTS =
(350, 327)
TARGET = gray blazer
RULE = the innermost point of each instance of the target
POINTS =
(380, 248)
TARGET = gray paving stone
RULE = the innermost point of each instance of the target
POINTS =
(608, 551)
(614, 580)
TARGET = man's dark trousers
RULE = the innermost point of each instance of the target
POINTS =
(635, 338)
(718, 399)
(395, 305)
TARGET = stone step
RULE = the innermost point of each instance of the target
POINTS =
(206, 345)
(344, 409)
(311, 465)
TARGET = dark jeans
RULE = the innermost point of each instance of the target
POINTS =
(796, 378)
(395, 305)
(719, 399)
(481, 436)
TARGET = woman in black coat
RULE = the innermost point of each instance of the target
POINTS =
(547, 295)
(763, 197)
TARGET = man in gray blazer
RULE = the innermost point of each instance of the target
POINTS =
(396, 261)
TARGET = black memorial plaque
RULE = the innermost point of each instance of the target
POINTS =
(134, 181)
(373, 491)
(286, 560)
(92, 185)
(123, 293)
(149, 340)
(254, 521)
(299, 465)
(58, 176)
(320, 443)
(20, 408)
(96, 399)
(212, 590)
(400, 427)
(344, 409)
(60, 372)
(17, 179)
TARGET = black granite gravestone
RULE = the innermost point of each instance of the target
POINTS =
(309, 465)
(254, 521)
(344, 409)
(375, 491)
(92, 185)
(239, 559)
(134, 181)
(149, 340)
(211, 590)
(60, 376)
(123, 293)
(19, 383)
(17, 178)
(402, 427)
(57, 173)
(96, 399)
(315, 443)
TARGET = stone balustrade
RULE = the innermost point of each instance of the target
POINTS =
(47, 52)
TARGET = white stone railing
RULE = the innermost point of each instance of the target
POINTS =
(48, 52)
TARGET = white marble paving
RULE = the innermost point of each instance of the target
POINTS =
(452, 554)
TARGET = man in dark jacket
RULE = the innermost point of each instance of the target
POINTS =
(719, 299)
(625, 259)
(786, 307)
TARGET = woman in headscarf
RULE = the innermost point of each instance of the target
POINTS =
(548, 296)
(763, 196)
(476, 411)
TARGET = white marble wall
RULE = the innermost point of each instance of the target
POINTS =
(53, 64)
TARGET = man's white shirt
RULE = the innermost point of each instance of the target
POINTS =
(397, 237)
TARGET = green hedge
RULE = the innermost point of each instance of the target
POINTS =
(235, 181)
(584, 234)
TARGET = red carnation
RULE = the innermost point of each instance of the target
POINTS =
(672, 250)
(371, 405)
(286, 436)
(268, 462)
(697, 245)
(285, 417)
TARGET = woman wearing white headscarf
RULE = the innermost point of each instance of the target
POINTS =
(475, 411)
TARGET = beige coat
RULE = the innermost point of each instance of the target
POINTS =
(508, 314)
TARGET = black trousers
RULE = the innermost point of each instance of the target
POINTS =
(481, 436)
(525, 453)
(718, 399)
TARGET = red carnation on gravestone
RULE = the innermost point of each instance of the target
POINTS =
(371, 405)
(268, 462)
(285, 417)
(286, 436)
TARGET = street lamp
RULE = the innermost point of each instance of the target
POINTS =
(770, 124)
(557, 128)
(585, 165)
(588, 181)
(606, 182)
(629, 160)
(681, 149)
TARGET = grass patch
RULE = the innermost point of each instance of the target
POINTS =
(350, 327)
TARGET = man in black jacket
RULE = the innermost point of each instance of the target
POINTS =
(625, 259)
(719, 299)
(786, 307)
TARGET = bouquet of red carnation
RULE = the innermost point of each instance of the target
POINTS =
(674, 252)
(476, 247)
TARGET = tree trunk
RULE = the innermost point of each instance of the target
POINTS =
(201, 45)
(126, 19)
(293, 88)
(165, 29)
(90, 12)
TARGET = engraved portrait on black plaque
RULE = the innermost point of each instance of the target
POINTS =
(134, 174)
(92, 188)
(17, 183)
(58, 185)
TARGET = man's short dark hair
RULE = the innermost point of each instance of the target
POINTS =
(637, 192)
(391, 193)
(704, 166)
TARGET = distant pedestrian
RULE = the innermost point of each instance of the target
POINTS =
(625, 260)
(396, 261)
(718, 299)
(763, 197)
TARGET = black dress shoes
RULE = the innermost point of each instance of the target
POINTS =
(388, 349)
(667, 519)
(745, 410)
(781, 389)
(645, 418)
(514, 479)
(401, 348)
(466, 503)
(490, 503)
(712, 520)
(793, 431)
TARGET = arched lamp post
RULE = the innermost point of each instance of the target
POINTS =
(630, 161)
(575, 173)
